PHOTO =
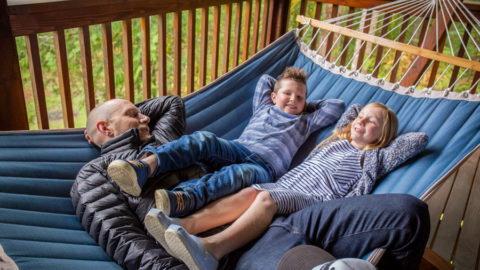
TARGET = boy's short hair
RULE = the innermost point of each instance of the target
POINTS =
(291, 73)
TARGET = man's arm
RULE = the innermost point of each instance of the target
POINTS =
(167, 117)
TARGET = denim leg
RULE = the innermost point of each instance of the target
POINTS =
(225, 181)
(350, 227)
(201, 146)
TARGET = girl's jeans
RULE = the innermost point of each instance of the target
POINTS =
(234, 166)
(349, 227)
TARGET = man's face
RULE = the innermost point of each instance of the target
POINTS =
(126, 116)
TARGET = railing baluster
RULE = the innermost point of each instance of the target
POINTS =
(37, 81)
(191, 51)
(318, 14)
(303, 8)
(216, 34)
(475, 79)
(398, 53)
(177, 52)
(246, 29)
(330, 37)
(107, 46)
(162, 55)
(346, 39)
(461, 52)
(380, 48)
(203, 48)
(434, 70)
(270, 22)
(263, 37)
(63, 77)
(238, 24)
(226, 37)
(128, 59)
(86, 53)
(146, 71)
(256, 26)
(366, 28)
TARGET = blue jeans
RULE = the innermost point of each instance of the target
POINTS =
(234, 166)
(349, 227)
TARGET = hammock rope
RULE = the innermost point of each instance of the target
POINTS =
(422, 20)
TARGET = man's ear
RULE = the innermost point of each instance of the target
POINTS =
(273, 96)
(103, 128)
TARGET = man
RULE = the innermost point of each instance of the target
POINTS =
(114, 219)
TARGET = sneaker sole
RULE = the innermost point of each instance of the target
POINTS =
(162, 202)
(180, 251)
(124, 175)
(157, 230)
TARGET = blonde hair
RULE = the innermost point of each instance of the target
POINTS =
(291, 73)
(389, 129)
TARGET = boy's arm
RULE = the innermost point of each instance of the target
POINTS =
(348, 116)
(167, 117)
(263, 90)
(326, 112)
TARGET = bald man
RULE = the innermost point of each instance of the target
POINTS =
(113, 218)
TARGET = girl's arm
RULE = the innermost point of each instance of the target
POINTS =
(381, 161)
(348, 116)
(400, 150)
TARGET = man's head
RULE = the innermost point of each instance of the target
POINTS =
(114, 117)
(290, 91)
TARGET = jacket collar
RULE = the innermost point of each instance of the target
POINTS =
(129, 140)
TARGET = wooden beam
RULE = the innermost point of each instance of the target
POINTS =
(457, 61)
(13, 112)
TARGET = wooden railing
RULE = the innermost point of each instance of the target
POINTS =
(247, 26)
(148, 48)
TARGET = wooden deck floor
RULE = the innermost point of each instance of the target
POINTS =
(455, 217)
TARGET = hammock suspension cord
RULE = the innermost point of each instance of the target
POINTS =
(432, 17)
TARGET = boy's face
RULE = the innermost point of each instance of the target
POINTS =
(290, 97)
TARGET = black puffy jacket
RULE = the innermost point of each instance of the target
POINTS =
(115, 219)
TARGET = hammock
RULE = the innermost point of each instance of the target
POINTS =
(38, 227)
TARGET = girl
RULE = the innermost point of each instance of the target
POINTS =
(346, 164)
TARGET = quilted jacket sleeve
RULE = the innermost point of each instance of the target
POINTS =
(167, 117)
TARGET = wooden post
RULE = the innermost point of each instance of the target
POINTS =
(13, 112)
(280, 18)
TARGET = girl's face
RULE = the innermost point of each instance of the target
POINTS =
(367, 127)
(290, 96)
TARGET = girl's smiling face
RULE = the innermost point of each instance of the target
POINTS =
(367, 127)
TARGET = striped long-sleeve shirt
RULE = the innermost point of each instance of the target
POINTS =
(325, 176)
(275, 135)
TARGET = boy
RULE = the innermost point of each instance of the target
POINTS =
(281, 122)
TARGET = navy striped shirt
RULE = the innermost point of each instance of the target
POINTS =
(275, 135)
(328, 174)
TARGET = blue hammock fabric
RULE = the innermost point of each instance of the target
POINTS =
(38, 226)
